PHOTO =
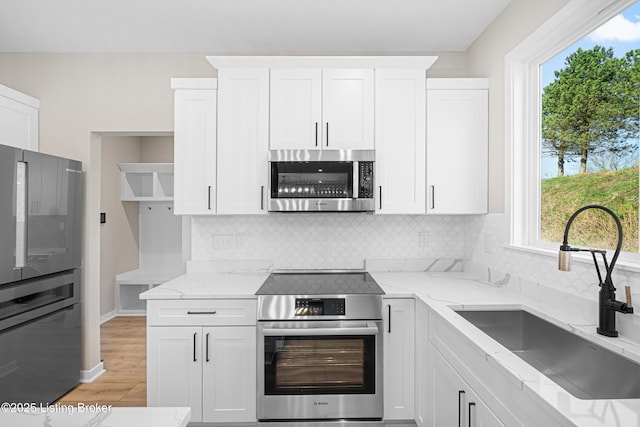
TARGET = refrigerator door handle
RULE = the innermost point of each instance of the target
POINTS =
(21, 214)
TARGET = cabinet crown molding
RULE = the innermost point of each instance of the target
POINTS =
(374, 62)
(20, 97)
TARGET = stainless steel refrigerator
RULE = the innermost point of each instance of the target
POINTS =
(40, 257)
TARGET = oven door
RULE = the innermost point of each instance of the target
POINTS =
(319, 370)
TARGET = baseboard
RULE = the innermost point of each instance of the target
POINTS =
(106, 317)
(91, 375)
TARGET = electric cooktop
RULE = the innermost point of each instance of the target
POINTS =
(319, 282)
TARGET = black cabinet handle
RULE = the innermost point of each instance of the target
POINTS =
(433, 197)
(389, 308)
(327, 134)
(209, 199)
(471, 405)
(380, 189)
(207, 347)
(195, 334)
(262, 197)
(460, 393)
(316, 134)
(201, 312)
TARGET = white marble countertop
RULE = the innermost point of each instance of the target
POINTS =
(444, 293)
(95, 416)
(208, 285)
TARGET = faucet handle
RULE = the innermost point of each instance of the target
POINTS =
(627, 291)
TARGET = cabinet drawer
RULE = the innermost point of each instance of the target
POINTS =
(211, 312)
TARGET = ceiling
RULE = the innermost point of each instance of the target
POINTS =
(244, 26)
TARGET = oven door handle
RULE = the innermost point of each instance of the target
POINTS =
(368, 330)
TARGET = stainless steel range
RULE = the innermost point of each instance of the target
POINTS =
(320, 349)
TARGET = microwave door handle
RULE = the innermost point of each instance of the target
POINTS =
(371, 330)
(356, 180)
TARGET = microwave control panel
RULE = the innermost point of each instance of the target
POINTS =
(366, 180)
(320, 307)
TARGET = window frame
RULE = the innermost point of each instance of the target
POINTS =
(523, 90)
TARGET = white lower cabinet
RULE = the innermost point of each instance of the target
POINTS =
(229, 374)
(211, 369)
(453, 402)
(399, 358)
(422, 373)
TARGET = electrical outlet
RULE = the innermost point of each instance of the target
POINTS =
(423, 240)
(224, 242)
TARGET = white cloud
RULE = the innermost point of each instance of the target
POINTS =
(618, 29)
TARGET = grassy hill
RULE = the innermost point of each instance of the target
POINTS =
(617, 190)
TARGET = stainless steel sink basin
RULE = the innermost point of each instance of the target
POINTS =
(584, 369)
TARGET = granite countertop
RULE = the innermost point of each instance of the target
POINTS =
(444, 293)
(95, 416)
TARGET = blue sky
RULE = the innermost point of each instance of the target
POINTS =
(622, 33)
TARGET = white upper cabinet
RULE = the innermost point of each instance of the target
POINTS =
(18, 119)
(296, 109)
(243, 141)
(457, 146)
(400, 141)
(347, 109)
(194, 146)
(320, 109)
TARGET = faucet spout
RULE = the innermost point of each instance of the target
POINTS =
(608, 306)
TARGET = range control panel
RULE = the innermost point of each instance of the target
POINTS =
(320, 307)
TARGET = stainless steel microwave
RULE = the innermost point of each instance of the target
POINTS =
(321, 180)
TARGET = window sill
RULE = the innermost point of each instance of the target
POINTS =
(624, 264)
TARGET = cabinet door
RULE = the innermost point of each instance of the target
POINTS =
(457, 151)
(18, 124)
(400, 141)
(453, 402)
(229, 373)
(243, 141)
(448, 393)
(422, 372)
(347, 109)
(195, 151)
(174, 368)
(399, 359)
(295, 109)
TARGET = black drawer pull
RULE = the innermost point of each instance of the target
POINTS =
(201, 312)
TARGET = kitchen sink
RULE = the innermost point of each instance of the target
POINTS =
(584, 369)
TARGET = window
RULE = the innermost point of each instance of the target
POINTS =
(538, 72)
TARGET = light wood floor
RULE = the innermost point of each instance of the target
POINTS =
(123, 344)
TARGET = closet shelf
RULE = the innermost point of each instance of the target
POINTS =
(146, 181)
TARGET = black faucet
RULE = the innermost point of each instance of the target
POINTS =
(607, 305)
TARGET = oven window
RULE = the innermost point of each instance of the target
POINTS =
(327, 180)
(319, 365)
